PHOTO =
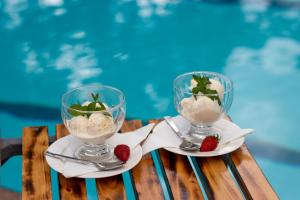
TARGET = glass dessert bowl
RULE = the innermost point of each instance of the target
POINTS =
(93, 114)
(202, 98)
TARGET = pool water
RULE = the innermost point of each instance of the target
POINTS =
(50, 46)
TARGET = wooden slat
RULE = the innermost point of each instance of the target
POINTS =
(111, 187)
(144, 174)
(220, 183)
(70, 188)
(36, 182)
(218, 179)
(9, 194)
(181, 177)
(251, 178)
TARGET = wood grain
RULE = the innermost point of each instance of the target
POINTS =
(70, 188)
(144, 175)
(182, 179)
(250, 177)
(220, 183)
(111, 187)
(218, 179)
(9, 194)
(36, 182)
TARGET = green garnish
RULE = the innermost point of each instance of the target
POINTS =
(75, 108)
(202, 83)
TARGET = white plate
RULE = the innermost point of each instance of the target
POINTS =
(57, 164)
(232, 146)
(228, 130)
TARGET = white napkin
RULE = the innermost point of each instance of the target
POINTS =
(164, 137)
(71, 169)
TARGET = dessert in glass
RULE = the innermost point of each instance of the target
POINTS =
(202, 98)
(93, 114)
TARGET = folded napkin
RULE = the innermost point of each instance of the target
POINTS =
(164, 137)
(72, 169)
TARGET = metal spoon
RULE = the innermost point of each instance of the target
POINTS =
(185, 145)
(190, 146)
(99, 165)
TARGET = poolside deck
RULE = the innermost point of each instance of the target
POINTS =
(8, 194)
(233, 176)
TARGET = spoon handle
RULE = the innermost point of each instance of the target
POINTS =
(60, 156)
(173, 126)
(69, 158)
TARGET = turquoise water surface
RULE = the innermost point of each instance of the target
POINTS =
(50, 46)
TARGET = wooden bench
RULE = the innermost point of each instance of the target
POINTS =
(233, 176)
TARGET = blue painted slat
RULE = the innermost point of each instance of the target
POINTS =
(129, 188)
(161, 175)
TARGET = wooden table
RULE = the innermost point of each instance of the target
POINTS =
(233, 176)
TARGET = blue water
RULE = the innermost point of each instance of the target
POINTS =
(50, 46)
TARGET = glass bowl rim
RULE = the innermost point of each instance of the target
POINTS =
(121, 103)
(205, 72)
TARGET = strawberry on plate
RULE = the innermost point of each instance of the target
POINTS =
(122, 152)
(209, 143)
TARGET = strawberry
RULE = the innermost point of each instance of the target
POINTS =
(122, 152)
(209, 143)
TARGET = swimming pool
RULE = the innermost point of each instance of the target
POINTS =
(50, 46)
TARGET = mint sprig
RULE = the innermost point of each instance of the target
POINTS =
(75, 109)
(202, 86)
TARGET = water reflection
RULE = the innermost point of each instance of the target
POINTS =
(80, 60)
(267, 83)
(252, 8)
(278, 56)
(78, 35)
(31, 61)
(119, 18)
(148, 8)
(59, 11)
(257, 11)
(121, 56)
(13, 9)
(47, 3)
(161, 104)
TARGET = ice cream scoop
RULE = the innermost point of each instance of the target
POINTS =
(99, 124)
(201, 109)
(78, 124)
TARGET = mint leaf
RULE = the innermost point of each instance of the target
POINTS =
(95, 97)
(75, 109)
(203, 81)
(92, 106)
(102, 106)
(107, 114)
(202, 86)
(213, 95)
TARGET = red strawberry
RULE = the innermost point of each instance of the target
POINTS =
(122, 151)
(210, 143)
